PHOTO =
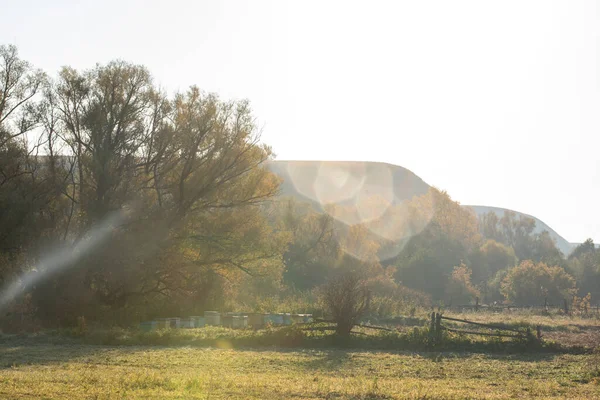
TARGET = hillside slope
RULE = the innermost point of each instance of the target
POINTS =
(346, 182)
(562, 244)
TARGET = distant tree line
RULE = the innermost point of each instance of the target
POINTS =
(449, 256)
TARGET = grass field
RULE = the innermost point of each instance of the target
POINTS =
(220, 363)
(33, 370)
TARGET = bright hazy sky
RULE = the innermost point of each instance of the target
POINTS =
(496, 102)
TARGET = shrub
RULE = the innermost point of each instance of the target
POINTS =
(346, 297)
(582, 304)
(530, 283)
(459, 288)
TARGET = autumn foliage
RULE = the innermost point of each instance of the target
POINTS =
(460, 289)
(531, 283)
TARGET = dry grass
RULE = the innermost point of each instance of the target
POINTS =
(563, 329)
(551, 322)
(37, 371)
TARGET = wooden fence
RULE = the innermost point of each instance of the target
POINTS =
(334, 327)
(436, 328)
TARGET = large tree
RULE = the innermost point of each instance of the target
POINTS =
(532, 283)
(174, 186)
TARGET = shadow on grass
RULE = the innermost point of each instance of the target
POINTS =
(18, 356)
(316, 360)
(328, 360)
(330, 351)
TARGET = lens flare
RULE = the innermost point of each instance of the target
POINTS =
(324, 183)
(63, 258)
(366, 194)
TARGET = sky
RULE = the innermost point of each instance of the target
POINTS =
(496, 102)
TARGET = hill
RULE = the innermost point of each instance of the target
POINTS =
(346, 182)
(562, 244)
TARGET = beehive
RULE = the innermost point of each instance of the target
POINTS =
(212, 318)
(287, 319)
(297, 318)
(148, 326)
(187, 323)
(256, 320)
(239, 321)
(274, 319)
(162, 323)
(227, 321)
(199, 322)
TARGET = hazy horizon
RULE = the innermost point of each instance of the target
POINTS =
(496, 103)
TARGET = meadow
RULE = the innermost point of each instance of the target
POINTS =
(43, 371)
(288, 362)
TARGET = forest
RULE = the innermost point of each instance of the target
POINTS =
(120, 202)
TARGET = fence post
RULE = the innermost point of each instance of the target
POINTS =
(566, 306)
(438, 327)
(432, 322)
(432, 326)
(477, 303)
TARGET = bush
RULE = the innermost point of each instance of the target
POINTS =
(346, 297)
(459, 288)
(530, 283)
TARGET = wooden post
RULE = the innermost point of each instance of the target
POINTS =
(432, 326)
(477, 303)
(438, 327)
(566, 306)
(546, 303)
(539, 332)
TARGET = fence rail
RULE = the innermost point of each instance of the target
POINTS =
(380, 328)
(481, 333)
(497, 327)
(437, 328)
(328, 328)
